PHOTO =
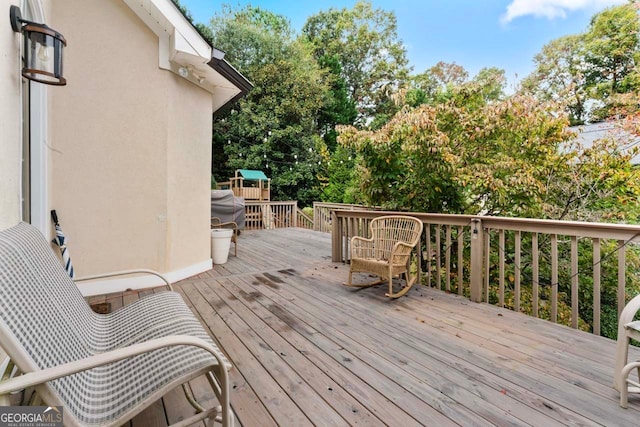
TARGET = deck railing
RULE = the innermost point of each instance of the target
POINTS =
(267, 215)
(303, 220)
(519, 263)
(322, 213)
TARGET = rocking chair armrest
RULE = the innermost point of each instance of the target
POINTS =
(127, 273)
(361, 241)
(31, 379)
(362, 247)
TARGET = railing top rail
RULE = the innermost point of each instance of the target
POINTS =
(564, 228)
(268, 202)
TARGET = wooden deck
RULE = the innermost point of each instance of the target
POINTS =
(308, 351)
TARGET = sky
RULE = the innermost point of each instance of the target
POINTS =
(473, 33)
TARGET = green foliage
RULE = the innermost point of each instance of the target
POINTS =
(611, 44)
(340, 185)
(559, 76)
(273, 128)
(365, 41)
(339, 109)
(590, 68)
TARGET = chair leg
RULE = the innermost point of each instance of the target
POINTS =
(622, 355)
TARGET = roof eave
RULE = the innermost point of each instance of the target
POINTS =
(229, 72)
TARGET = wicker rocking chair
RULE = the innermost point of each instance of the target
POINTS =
(387, 253)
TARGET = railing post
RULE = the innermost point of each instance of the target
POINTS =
(336, 238)
(477, 255)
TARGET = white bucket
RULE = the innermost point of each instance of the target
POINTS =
(220, 244)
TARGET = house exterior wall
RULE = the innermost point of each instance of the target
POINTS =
(130, 165)
(10, 122)
(189, 171)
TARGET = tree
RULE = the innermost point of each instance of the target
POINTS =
(492, 82)
(611, 44)
(559, 76)
(340, 186)
(445, 74)
(508, 157)
(586, 72)
(372, 59)
(339, 109)
(274, 127)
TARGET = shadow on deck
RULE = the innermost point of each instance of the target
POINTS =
(308, 351)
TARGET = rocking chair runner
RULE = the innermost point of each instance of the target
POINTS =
(387, 253)
(104, 369)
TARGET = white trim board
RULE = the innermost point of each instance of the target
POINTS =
(113, 285)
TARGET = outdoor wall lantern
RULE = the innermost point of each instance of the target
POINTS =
(42, 50)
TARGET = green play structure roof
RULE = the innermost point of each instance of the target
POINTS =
(252, 175)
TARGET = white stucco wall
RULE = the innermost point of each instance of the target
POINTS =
(130, 170)
(189, 173)
(10, 122)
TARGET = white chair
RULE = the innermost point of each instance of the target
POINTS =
(628, 329)
(102, 368)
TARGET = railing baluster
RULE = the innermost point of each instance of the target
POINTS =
(438, 257)
(535, 275)
(487, 262)
(517, 270)
(428, 250)
(501, 256)
(460, 238)
(554, 278)
(448, 258)
(596, 286)
(574, 282)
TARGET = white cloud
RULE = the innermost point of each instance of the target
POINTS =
(551, 9)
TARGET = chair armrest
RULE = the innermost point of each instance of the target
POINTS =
(361, 247)
(49, 374)
(629, 311)
(126, 273)
(361, 241)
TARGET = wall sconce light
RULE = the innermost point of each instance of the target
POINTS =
(42, 50)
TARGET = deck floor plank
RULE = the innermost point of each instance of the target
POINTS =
(386, 342)
(293, 350)
(247, 372)
(479, 351)
(308, 351)
(272, 359)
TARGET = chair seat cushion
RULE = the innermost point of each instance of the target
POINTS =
(103, 394)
